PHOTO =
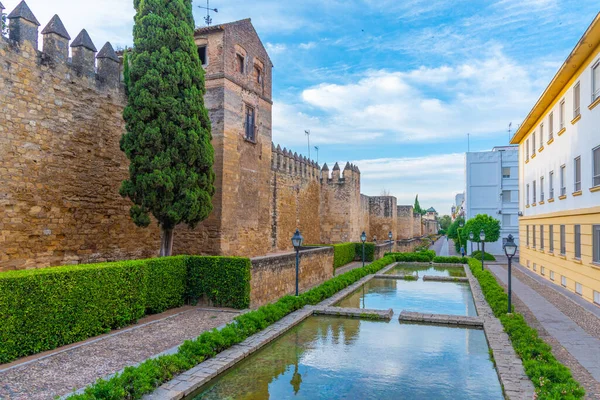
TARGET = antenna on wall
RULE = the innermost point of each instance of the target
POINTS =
(208, 19)
(307, 133)
(509, 131)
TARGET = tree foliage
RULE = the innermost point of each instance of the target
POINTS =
(445, 222)
(490, 226)
(417, 207)
(168, 139)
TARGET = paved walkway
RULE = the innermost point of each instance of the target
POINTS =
(584, 347)
(349, 267)
(60, 371)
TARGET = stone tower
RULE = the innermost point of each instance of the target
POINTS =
(238, 98)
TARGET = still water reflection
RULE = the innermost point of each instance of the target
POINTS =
(423, 270)
(422, 296)
(343, 358)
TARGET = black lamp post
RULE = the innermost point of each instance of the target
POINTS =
(482, 238)
(363, 239)
(391, 243)
(471, 237)
(510, 249)
(297, 242)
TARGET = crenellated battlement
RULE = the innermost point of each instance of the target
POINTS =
(103, 69)
(293, 163)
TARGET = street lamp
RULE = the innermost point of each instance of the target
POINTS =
(297, 242)
(390, 237)
(510, 249)
(363, 239)
(482, 238)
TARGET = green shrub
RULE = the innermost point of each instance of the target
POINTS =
(429, 253)
(343, 253)
(486, 257)
(410, 257)
(46, 308)
(442, 232)
(369, 251)
(551, 379)
(136, 381)
(450, 260)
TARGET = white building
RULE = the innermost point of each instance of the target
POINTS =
(458, 209)
(493, 189)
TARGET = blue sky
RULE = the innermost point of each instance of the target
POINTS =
(393, 86)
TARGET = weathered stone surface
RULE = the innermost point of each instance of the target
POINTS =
(354, 312)
(445, 278)
(441, 319)
(405, 222)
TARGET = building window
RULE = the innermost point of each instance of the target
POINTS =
(577, 171)
(576, 100)
(527, 235)
(551, 275)
(250, 126)
(541, 134)
(596, 167)
(202, 54)
(563, 187)
(535, 267)
(541, 188)
(533, 144)
(563, 240)
(551, 125)
(551, 238)
(534, 193)
(597, 297)
(506, 220)
(528, 266)
(506, 172)
(506, 196)
(596, 81)
(534, 238)
(258, 74)
(563, 280)
(543, 270)
(551, 185)
(542, 237)
(527, 149)
(578, 288)
(596, 244)
(528, 194)
(578, 241)
(561, 116)
(241, 63)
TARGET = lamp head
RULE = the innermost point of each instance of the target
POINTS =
(390, 235)
(510, 247)
(363, 237)
(482, 236)
(297, 239)
(471, 236)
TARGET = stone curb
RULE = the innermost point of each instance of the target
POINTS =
(441, 319)
(445, 278)
(354, 312)
(509, 367)
(392, 276)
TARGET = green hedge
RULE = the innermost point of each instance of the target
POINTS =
(552, 380)
(369, 251)
(486, 257)
(343, 253)
(46, 308)
(410, 257)
(429, 253)
(134, 382)
(450, 260)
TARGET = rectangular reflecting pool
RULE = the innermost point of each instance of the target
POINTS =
(452, 298)
(422, 270)
(345, 358)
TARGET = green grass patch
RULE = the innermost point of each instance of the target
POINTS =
(552, 380)
(486, 257)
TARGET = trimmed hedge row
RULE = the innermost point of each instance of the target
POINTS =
(410, 257)
(134, 382)
(46, 308)
(450, 260)
(552, 380)
(486, 257)
(343, 253)
(369, 251)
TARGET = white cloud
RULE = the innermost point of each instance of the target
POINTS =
(307, 46)
(275, 48)
(435, 178)
(478, 96)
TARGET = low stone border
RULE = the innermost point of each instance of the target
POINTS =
(441, 319)
(515, 382)
(448, 265)
(445, 278)
(354, 312)
(392, 276)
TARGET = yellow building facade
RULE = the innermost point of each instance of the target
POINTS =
(559, 174)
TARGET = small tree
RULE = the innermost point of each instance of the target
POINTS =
(490, 226)
(445, 222)
(417, 206)
(168, 139)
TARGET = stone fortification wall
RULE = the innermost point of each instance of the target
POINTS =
(275, 276)
(405, 223)
(383, 217)
(417, 226)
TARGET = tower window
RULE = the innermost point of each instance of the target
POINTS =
(240, 63)
(202, 54)
(258, 74)
(250, 126)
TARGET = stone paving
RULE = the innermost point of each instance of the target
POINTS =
(63, 370)
(349, 267)
(441, 319)
(510, 369)
(394, 276)
(445, 278)
(583, 346)
(354, 312)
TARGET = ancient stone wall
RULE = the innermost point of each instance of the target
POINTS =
(405, 222)
(383, 217)
(296, 198)
(60, 162)
(417, 226)
(274, 276)
(364, 215)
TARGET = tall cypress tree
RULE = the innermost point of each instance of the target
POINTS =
(417, 207)
(168, 139)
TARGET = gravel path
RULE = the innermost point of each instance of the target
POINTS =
(62, 372)
(581, 374)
